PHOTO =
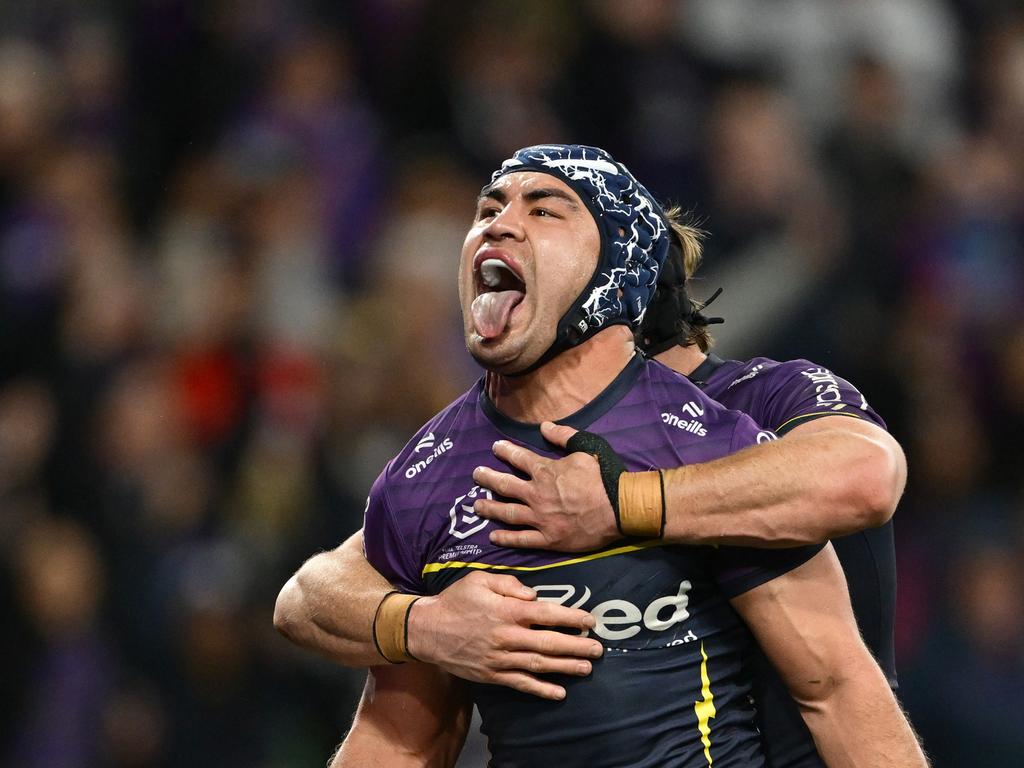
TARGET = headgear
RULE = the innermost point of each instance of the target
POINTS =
(634, 238)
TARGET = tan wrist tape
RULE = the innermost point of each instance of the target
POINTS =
(642, 504)
(391, 627)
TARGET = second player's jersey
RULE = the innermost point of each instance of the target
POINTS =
(780, 396)
(674, 684)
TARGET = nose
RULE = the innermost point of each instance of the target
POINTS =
(506, 225)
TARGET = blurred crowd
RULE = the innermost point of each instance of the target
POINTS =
(228, 238)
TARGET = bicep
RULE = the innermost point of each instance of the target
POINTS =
(870, 458)
(409, 715)
(851, 425)
(804, 623)
(351, 559)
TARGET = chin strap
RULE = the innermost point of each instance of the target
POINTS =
(670, 317)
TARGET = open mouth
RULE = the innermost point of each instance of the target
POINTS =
(496, 275)
(499, 288)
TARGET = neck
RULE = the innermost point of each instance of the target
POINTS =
(565, 384)
(683, 360)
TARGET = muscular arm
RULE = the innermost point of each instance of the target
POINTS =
(804, 624)
(329, 604)
(413, 716)
(477, 629)
(827, 478)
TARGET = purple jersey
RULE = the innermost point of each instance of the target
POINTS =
(673, 687)
(781, 396)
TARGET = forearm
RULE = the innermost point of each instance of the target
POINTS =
(805, 488)
(329, 604)
(805, 626)
(479, 629)
(368, 745)
(412, 716)
(859, 723)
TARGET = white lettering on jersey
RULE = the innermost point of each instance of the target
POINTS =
(419, 466)
(619, 619)
(753, 372)
(826, 389)
(687, 425)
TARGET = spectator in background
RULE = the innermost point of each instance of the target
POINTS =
(62, 582)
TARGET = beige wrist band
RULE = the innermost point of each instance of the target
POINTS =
(391, 627)
(642, 504)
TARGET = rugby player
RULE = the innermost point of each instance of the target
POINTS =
(830, 477)
(533, 206)
(840, 471)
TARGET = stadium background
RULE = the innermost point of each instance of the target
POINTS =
(228, 233)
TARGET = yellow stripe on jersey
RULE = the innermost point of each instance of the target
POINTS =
(705, 709)
(854, 414)
(435, 567)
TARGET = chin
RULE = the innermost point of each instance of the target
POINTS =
(499, 356)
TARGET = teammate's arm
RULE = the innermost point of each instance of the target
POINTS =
(803, 622)
(413, 716)
(477, 629)
(329, 604)
(829, 477)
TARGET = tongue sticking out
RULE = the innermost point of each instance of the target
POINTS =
(491, 311)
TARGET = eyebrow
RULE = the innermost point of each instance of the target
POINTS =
(532, 196)
(539, 194)
(492, 193)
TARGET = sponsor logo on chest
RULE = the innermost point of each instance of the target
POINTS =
(620, 619)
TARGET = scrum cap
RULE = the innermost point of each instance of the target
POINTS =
(634, 238)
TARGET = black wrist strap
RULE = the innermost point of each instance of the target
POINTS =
(609, 462)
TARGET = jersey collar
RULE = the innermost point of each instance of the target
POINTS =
(703, 372)
(528, 433)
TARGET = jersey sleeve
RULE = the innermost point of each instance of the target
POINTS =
(385, 547)
(740, 569)
(800, 391)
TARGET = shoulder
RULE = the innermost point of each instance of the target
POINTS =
(689, 412)
(434, 439)
(670, 388)
(757, 372)
(408, 506)
(782, 393)
(765, 372)
(764, 376)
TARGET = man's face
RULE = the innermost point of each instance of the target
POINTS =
(532, 249)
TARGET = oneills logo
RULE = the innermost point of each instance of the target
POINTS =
(426, 443)
(692, 424)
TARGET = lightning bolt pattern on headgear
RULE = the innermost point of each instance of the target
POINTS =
(634, 233)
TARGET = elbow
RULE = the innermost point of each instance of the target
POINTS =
(288, 610)
(815, 696)
(882, 482)
(870, 483)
